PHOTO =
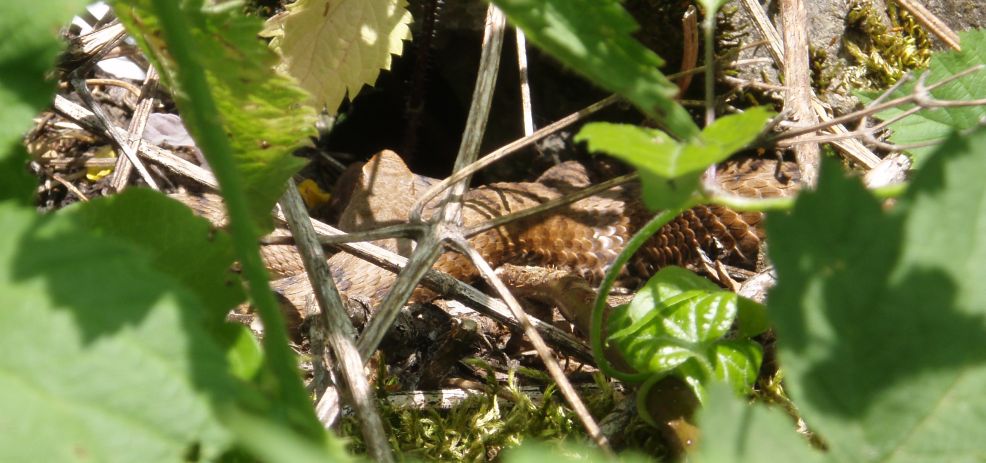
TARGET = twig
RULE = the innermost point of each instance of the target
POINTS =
(133, 89)
(932, 23)
(107, 128)
(175, 164)
(121, 175)
(70, 187)
(547, 356)
(504, 151)
(708, 33)
(428, 249)
(743, 83)
(339, 330)
(852, 148)
(920, 96)
(797, 81)
(762, 22)
(525, 83)
(689, 47)
(93, 47)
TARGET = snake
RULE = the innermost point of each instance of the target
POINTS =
(583, 237)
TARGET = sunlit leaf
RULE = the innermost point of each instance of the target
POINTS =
(679, 323)
(334, 47)
(670, 170)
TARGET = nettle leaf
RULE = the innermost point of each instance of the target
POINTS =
(735, 431)
(936, 124)
(595, 38)
(334, 47)
(670, 170)
(881, 316)
(27, 53)
(263, 113)
(679, 320)
(105, 358)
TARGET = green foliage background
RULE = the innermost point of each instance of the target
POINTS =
(114, 349)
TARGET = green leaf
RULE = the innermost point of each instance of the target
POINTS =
(646, 149)
(936, 124)
(27, 53)
(660, 192)
(673, 282)
(262, 114)
(703, 319)
(679, 321)
(352, 40)
(538, 452)
(670, 170)
(272, 443)
(881, 316)
(727, 135)
(180, 244)
(185, 247)
(752, 317)
(595, 38)
(737, 363)
(105, 358)
(232, 103)
(734, 431)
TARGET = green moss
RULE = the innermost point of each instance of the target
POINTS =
(481, 426)
(884, 54)
(823, 72)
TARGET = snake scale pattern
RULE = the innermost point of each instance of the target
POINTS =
(582, 238)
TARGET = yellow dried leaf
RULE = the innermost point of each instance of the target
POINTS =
(94, 174)
(312, 194)
(334, 47)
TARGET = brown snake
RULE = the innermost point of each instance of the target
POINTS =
(583, 237)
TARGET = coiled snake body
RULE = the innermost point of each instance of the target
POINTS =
(582, 238)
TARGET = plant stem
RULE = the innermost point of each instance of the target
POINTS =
(596, 340)
(202, 116)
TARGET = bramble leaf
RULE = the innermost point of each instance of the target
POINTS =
(881, 315)
(334, 47)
